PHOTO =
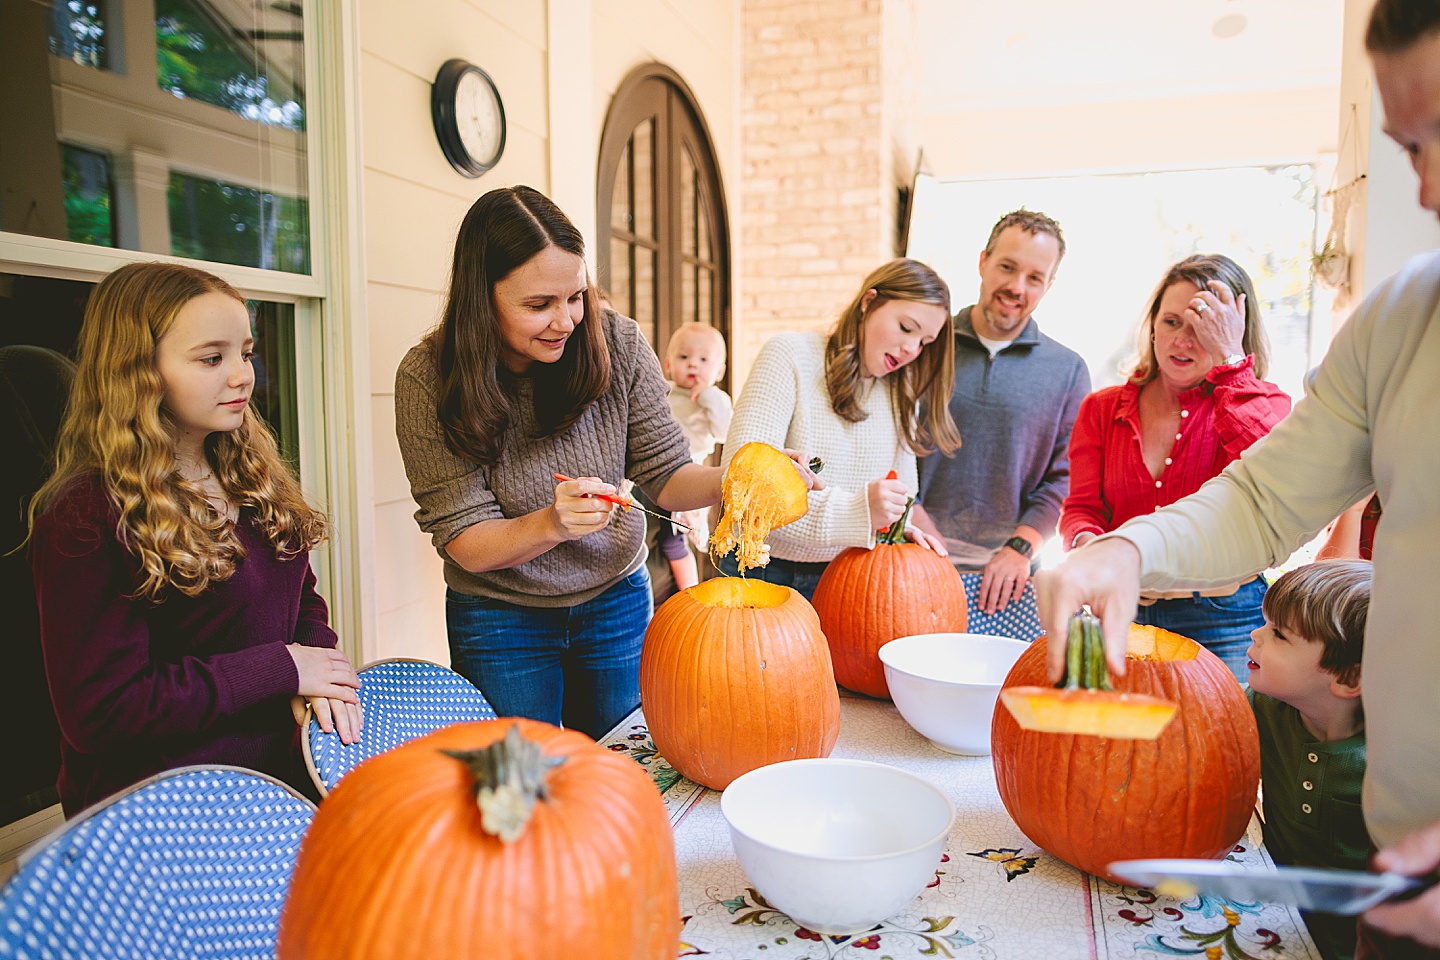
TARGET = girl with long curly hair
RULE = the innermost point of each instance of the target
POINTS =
(178, 612)
(867, 397)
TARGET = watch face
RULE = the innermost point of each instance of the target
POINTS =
(478, 118)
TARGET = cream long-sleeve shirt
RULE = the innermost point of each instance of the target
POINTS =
(785, 403)
(1370, 421)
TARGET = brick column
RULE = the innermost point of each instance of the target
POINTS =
(819, 171)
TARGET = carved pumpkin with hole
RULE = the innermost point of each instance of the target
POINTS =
(502, 839)
(1091, 800)
(735, 674)
(866, 598)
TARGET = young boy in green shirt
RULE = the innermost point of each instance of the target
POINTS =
(1305, 691)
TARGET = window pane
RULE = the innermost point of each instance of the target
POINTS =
(87, 196)
(77, 32)
(213, 220)
(223, 93)
(621, 216)
(643, 143)
(645, 292)
(687, 292)
(39, 320)
(687, 203)
(619, 291)
(249, 67)
(707, 296)
(276, 395)
(702, 233)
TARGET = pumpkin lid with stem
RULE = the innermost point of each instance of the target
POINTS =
(1084, 702)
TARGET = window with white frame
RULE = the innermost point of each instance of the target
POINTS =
(137, 129)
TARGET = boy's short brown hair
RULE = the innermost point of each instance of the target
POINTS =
(1326, 602)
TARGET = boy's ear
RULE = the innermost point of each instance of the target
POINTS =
(1343, 690)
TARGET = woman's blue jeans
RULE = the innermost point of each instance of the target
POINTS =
(802, 577)
(573, 666)
(1221, 624)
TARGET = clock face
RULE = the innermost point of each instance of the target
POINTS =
(478, 118)
(469, 117)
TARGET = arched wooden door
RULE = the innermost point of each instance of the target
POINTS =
(664, 246)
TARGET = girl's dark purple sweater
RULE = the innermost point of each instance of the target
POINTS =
(141, 687)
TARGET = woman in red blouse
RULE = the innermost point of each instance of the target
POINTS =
(1194, 403)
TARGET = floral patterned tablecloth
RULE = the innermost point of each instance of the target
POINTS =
(994, 896)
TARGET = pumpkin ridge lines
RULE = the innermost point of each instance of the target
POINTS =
(682, 692)
(427, 883)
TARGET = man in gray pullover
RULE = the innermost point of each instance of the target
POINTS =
(1015, 399)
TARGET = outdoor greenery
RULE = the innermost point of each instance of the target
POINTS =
(77, 32)
(213, 220)
(88, 218)
(197, 60)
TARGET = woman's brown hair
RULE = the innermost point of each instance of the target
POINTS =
(1201, 270)
(477, 396)
(920, 390)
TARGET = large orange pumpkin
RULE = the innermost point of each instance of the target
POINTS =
(866, 598)
(735, 674)
(402, 863)
(1093, 800)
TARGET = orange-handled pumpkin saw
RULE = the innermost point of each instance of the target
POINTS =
(623, 502)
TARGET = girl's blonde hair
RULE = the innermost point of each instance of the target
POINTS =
(920, 390)
(115, 427)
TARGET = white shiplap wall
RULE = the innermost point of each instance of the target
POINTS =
(414, 201)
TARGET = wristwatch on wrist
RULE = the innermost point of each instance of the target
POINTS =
(1233, 359)
(1021, 546)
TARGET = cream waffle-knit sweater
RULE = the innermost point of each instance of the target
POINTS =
(785, 403)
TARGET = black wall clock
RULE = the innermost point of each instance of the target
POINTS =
(469, 117)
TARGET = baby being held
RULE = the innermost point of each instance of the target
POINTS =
(694, 363)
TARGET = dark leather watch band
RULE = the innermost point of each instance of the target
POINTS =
(1021, 546)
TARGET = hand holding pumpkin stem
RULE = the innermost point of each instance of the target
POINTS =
(509, 779)
(896, 532)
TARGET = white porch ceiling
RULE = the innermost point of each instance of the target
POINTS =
(1033, 56)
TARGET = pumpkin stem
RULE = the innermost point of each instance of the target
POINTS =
(1085, 655)
(509, 778)
(896, 533)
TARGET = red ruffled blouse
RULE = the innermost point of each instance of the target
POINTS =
(1109, 482)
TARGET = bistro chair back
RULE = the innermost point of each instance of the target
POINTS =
(401, 700)
(192, 863)
(1020, 619)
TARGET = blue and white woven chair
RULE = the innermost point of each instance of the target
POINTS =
(1020, 619)
(401, 699)
(193, 862)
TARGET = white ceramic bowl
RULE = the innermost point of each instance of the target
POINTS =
(839, 845)
(945, 685)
